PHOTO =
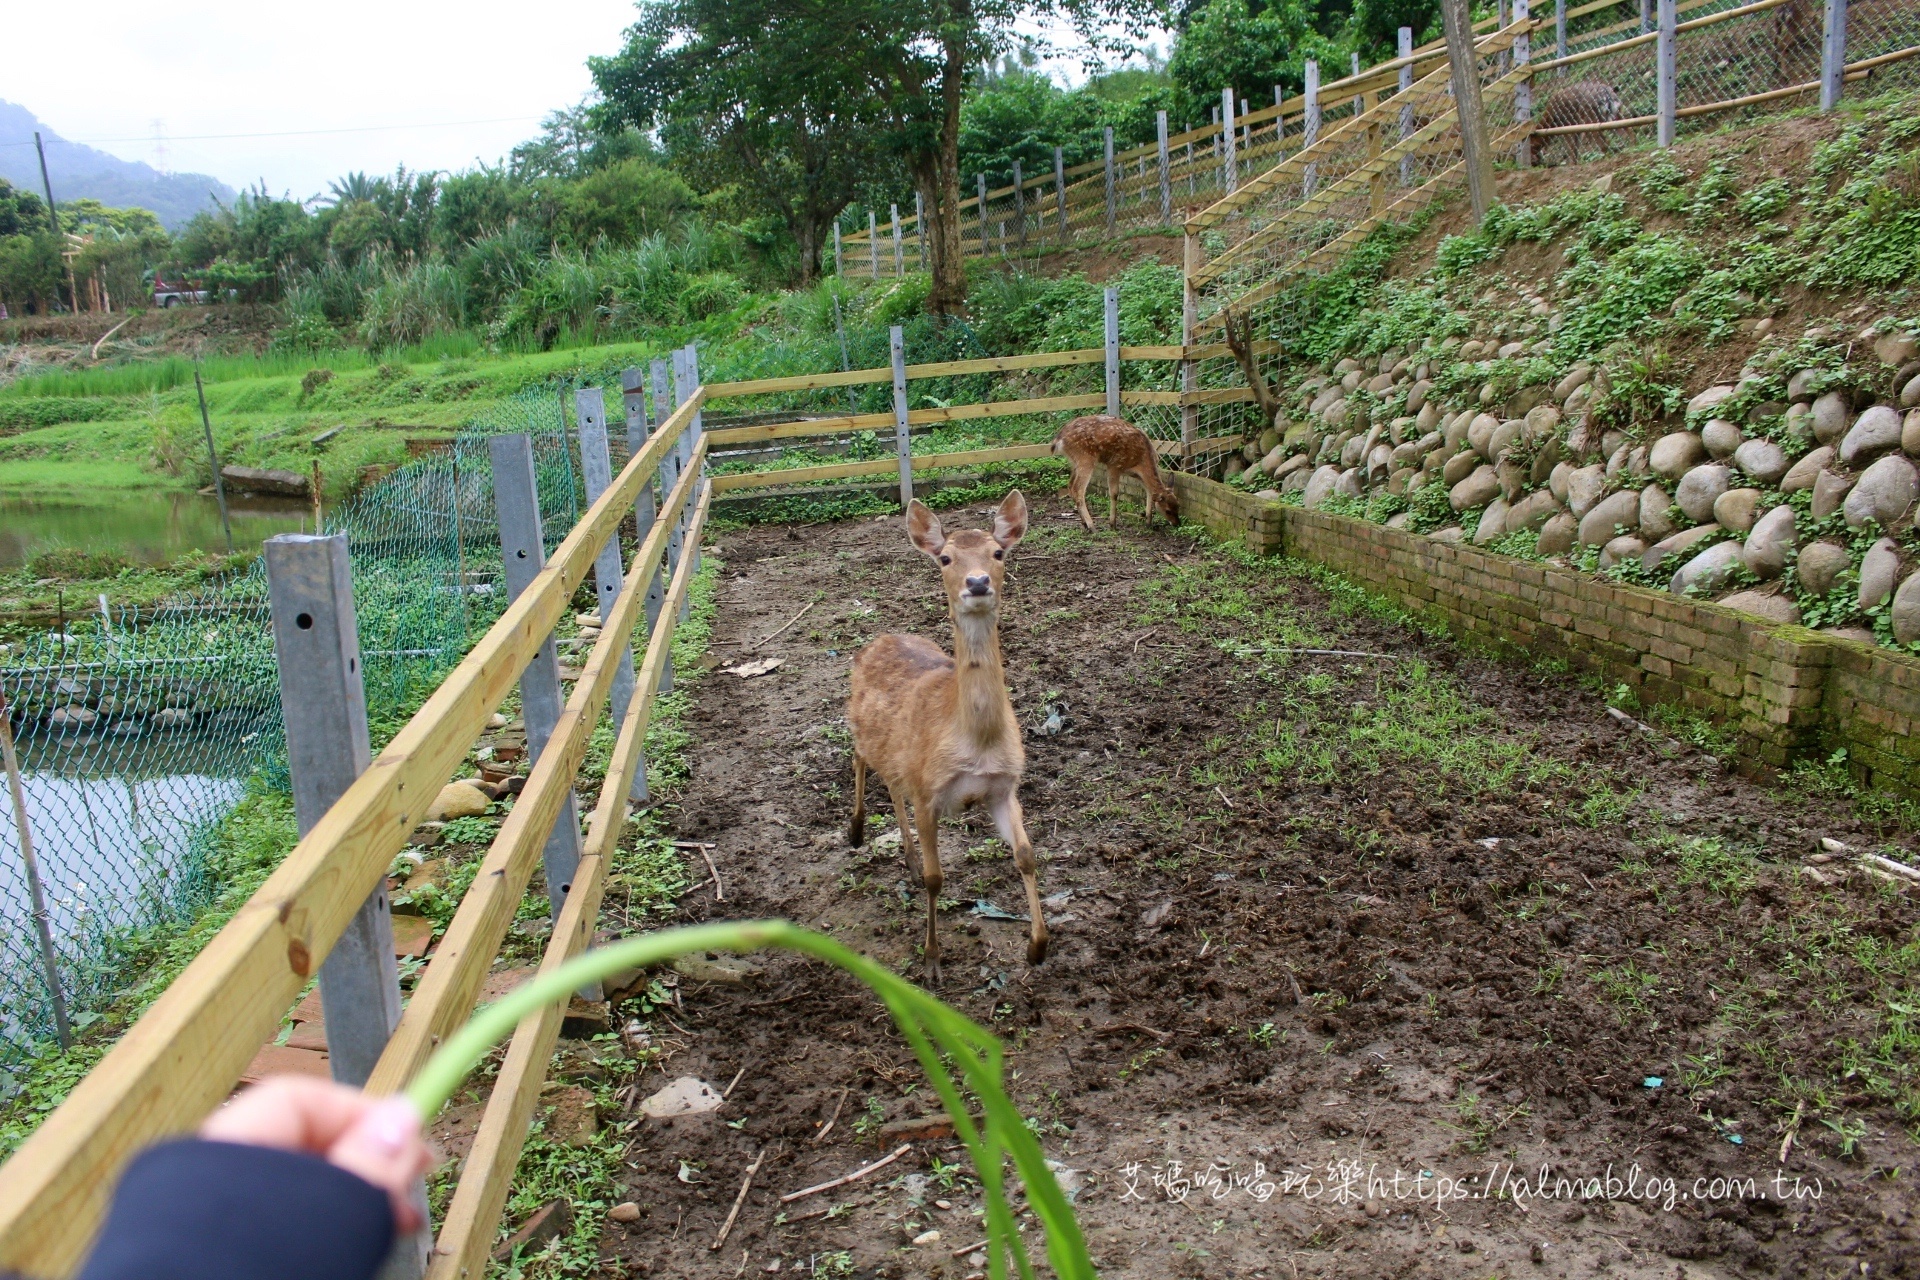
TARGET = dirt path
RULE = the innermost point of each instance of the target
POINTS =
(1423, 915)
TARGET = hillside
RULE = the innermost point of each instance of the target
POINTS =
(79, 172)
(1697, 370)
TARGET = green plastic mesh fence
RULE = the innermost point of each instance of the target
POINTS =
(139, 731)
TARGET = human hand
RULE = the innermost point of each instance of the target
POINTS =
(376, 1139)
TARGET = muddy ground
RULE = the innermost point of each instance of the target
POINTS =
(1422, 914)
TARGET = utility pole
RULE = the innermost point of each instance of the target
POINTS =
(1465, 63)
(53, 219)
(213, 460)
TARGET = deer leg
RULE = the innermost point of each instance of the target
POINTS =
(1150, 482)
(1012, 825)
(857, 829)
(1113, 498)
(930, 878)
(1082, 475)
(905, 819)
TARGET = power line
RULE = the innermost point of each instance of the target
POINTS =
(293, 133)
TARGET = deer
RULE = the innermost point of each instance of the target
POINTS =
(940, 731)
(1123, 449)
(1582, 102)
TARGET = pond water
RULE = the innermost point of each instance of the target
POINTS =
(146, 526)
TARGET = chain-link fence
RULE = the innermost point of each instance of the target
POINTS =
(139, 731)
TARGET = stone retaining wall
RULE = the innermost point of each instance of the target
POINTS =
(1792, 692)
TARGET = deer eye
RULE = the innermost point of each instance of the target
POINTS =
(946, 559)
(999, 555)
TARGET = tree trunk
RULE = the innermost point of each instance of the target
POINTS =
(939, 183)
(807, 232)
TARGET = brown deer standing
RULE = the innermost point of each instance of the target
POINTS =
(1122, 448)
(940, 731)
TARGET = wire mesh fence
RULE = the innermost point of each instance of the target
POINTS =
(139, 731)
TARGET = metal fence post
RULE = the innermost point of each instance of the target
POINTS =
(695, 428)
(899, 258)
(980, 181)
(323, 700)
(609, 573)
(1406, 111)
(1559, 28)
(683, 383)
(1060, 190)
(902, 437)
(1646, 16)
(668, 474)
(1279, 122)
(1311, 127)
(1523, 89)
(1113, 349)
(1112, 189)
(1166, 168)
(920, 226)
(873, 245)
(1833, 55)
(1019, 208)
(1668, 86)
(634, 398)
(36, 891)
(1359, 99)
(1229, 168)
(838, 270)
(516, 499)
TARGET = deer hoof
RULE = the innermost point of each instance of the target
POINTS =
(1036, 950)
(857, 832)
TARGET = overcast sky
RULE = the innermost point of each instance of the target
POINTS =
(352, 85)
(232, 67)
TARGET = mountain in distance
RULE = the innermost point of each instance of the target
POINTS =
(79, 171)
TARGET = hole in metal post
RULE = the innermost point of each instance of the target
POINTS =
(304, 621)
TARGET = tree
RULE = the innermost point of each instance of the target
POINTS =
(766, 94)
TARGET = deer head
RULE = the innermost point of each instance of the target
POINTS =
(972, 562)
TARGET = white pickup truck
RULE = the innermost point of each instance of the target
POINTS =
(173, 293)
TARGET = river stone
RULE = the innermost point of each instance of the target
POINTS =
(1830, 417)
(1712, 398)
(1513, 478)
(1503, 437)
(1615, 510)
(1818, 566)
(1296, 481)
(1624, 547)
(1454, 431)
(1764, 460)
(1557, 480)
(1616, 462)
(457, 800)
(1829, 491)
(1478, 489)
(1884, 492)
(1721, 438)
(1542, 421)
(1878, 572)
(1674, 455)
(1532, 511)
(1910, 394)
(1586, 486)
(1708, 570)
(1291, 465)
(1380, 461)
(1800, 385)
(1452, 533)
(1906, 610)
(1699, 489)
(1409, 453)
(1799, 424)
(1896, 348)
(1576, 378)
(1637, 462)
(1352, 451)
(1910, 433)
(1427, 419)
(1460, 466)
(1335, 414)
(1875, 431)
(1417, 396)
(1764, 604)
(1493, 523)
(1655, 522)
(1348, 483)
(1380, 384)
(1859, 635)
(1801, 474)
(1678, 544)
(1319, 486)
(1556, 536)
(1767, 546)
(1735, 509)
(1480, 434)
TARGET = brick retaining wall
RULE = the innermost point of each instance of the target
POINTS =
(1792, 692)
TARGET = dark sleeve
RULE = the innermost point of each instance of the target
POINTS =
(193, 1210)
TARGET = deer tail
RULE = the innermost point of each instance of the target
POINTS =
(1057, 447)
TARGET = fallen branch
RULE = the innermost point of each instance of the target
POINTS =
(728, 1092)
(961, 1253)
(782, 631)
(740, 1199)
(827, 1128)
(719, 890)
(1121, 1028)
(108, 334)
(1888, 864)
(844, 1179)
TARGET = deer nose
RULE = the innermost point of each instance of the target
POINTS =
(979, 584)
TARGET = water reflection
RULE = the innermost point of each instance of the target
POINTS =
(146, 526)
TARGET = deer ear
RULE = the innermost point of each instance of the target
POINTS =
(1010, 521)
(924, 528)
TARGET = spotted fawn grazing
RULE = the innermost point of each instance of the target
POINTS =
(1121, 447)
(940, 731)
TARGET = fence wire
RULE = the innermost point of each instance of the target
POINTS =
(139, 731)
